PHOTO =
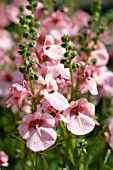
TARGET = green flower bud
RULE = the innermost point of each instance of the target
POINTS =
(32, 43)
(67, 54)
(73, 54)
(26, 62)
(70, 47)
(65, 38)
(23, 46)
(34, 4)
(26, 35)
(32, 75)
(31, 61)
(25, 26)
(36, 76)
(94, 47)
(63, 45)
(94, 60)
(20, 52)
(28, 53)
(75, 65)
(22, 68)
(29, 7)
(37, 23)
(64, 60)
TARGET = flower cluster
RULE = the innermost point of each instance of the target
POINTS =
(56, 74)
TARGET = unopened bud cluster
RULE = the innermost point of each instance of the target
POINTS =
(69, 54)
(30, 34)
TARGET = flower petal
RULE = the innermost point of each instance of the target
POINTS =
(80, 124)
(41, 139)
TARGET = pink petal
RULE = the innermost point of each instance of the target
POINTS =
(24, 130)
(91, 85)
(41, 139)
(51, 83)
(58, 101)
(81, 124)
(10, 101)
(55, 52)
(49, 120)
(48, 41)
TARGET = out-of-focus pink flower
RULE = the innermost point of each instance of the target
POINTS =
(3, 159)
(52, 50)
(4, 59)
(37, 130)
(6, 80)
(56, 100)
(4, 20)
(79, 19)
(19, 93)
(80, 117)
(59, 70)
(39, 10)
(100, 54)
(13, 13)
(6, 42)
(104, 78)
(57, 24)
(89, 82)
(109, 134)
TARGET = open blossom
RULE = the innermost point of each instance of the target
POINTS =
(80, 117)
(89, 82)
(46, 107)
(3, 159)
(19, 93)
(37, 129)
(51, 94)
(52, 50)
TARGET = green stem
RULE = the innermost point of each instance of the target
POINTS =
(98, 138)
(36, 161)
(66, 150)
(72, 80)
(32, 159)
(33, 99)
(78, 162)
(101, 167)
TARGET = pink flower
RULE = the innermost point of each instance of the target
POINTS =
(59, 70)
(51, 94)
(80, 117)
(100, 54)
(4, 20)
(89, 82)
(4, 59)
(52, 50)
(19, 93)
(109, 134)
(37, 130)
(104, 78)
(46, 107)
(3, 159)
(6, 42)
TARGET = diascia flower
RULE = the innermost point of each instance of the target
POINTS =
(51, 94)
(80, 117)
(37, 129)
(89, 82)
(52, 50)
(19, 93)
(3, 159)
